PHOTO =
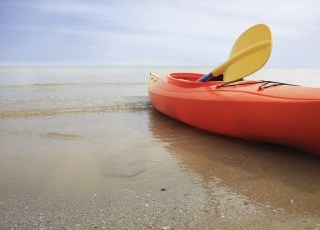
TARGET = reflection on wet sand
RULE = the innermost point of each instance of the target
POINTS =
(277, 178)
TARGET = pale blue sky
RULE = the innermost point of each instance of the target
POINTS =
(150, 32)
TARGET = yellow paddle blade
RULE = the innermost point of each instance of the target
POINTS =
(249, 53)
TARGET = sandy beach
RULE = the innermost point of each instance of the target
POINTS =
(130, 167)
(159, 175)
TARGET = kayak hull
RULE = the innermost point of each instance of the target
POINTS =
(281, 114)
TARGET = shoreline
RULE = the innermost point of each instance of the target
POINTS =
(84, 149)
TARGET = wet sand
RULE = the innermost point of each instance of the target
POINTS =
(142, 170)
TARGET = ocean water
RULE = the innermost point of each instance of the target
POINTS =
(82, 147)
(42, 91)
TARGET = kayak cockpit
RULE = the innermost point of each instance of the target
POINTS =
(185, 76)
(189, 79)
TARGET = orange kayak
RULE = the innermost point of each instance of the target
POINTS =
(253, 110)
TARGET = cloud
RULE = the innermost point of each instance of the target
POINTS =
(149, 32)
